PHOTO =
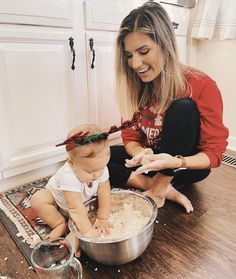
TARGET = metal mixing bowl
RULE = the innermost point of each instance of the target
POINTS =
(120, 250)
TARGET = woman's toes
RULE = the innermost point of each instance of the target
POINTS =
(175, 196)
(188, 205)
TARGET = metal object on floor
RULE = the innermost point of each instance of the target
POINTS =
(124, 249)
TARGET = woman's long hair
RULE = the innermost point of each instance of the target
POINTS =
(152, 20)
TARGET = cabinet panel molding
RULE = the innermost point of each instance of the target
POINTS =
(101, 81)
(106, 14)
(38, 103)
(40, 12)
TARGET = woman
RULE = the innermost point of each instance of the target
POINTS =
(180, 134)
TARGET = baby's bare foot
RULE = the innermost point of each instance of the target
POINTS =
(175, 196)
(159, 200)
(58, 231)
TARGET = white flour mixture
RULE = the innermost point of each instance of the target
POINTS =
(126, 221)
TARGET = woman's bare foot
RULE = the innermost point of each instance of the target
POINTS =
(173, 195)
(159, 200)
(74, 242)
(58, 231)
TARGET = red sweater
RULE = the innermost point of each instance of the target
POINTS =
(213, 133)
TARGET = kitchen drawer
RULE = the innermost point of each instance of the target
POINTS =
(106, 14)
(45, 13)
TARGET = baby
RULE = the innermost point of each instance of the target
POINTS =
(83, 175)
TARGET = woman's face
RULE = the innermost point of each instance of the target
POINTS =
(144, 56)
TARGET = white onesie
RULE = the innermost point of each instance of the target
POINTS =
(66, 180)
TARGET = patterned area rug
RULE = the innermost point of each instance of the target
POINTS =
(19, 219)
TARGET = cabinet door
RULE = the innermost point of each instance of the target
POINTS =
(38, 104)
(102, 104)
(180, 18)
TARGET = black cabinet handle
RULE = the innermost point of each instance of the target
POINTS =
(175, 25)
(71, 43)
(91, 44)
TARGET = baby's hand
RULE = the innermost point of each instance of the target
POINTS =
(103, 226)
(92, 233)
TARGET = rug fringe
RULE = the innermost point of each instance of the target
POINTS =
(20, 222)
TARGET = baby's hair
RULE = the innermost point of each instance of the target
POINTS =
(91, 149)
(80, 137)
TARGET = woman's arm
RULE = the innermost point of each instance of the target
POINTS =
(213, 133)
(133, 148)
(162, 161)
(197, 161)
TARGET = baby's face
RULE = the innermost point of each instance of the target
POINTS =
(89, 169)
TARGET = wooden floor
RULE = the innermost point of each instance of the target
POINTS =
(198, 245)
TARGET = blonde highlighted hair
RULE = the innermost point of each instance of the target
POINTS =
(152, 20)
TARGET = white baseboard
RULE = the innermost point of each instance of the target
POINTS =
(17, 180)
(30, 176)
(232, 143)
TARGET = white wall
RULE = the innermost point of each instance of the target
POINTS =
(218, 59)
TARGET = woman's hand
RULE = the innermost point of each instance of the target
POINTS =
(138, 159)
(157, 162)
(103, 226)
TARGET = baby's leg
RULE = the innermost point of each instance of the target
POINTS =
(43, 203)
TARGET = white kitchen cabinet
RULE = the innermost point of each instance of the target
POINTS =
(102, 21)
(41, 97)
(37, 12)
(1, 168)
(180, 17)
(102, 105)
(38, 100)
(107, 15)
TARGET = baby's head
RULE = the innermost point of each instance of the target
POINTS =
(89, 160)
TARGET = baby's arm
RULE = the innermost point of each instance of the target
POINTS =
(79, 214)
(104, 204)
(104, 200)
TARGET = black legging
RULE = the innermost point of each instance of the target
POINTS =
(180, 136)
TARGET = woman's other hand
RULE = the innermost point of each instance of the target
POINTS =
(138, 159)
(155, 162)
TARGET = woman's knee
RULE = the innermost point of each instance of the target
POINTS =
(190, 177)
(184, 107)
(118, 154)
(181, 127)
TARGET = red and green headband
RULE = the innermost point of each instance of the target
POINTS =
(82, 138)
